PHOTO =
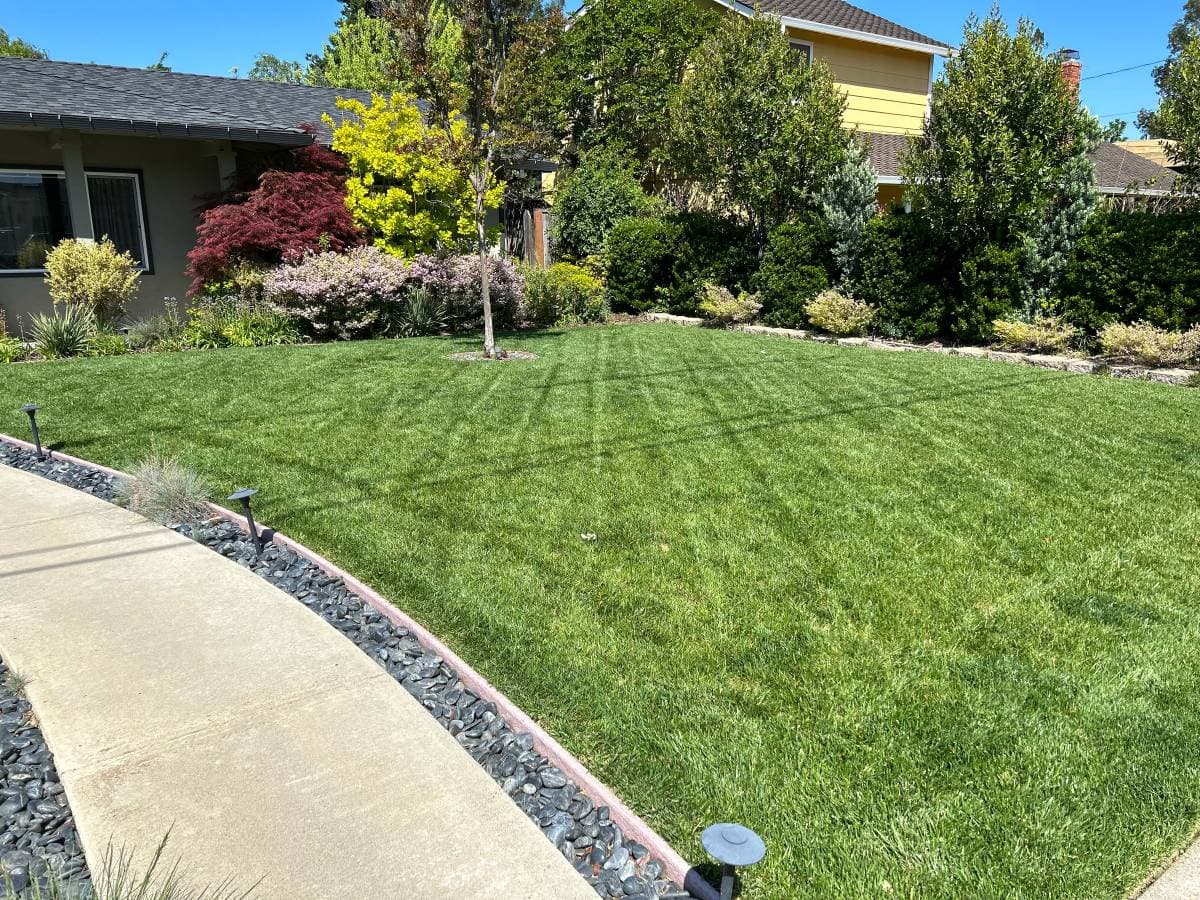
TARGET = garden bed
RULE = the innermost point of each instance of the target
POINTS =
(584, 831)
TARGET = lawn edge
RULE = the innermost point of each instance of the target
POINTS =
(674, 865)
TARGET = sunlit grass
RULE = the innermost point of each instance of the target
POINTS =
(929, 625)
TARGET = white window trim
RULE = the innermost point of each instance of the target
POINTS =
(61, 174)
(135, 177)
(807, 45)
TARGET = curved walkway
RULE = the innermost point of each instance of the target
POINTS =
(180, 691)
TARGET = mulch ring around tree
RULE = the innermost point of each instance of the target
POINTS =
(501, 356)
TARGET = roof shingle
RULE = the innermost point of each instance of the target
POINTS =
(112, 99)
(840, 14)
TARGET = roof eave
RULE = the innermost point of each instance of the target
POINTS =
(147, 128)
(851, 33)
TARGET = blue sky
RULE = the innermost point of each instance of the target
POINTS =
(215, 36)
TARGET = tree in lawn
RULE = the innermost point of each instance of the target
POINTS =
(1178, 115)
(296, 205)
(754, 127)
(465, 81)
(1002, 175)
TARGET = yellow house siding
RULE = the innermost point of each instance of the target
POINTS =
(887, 88)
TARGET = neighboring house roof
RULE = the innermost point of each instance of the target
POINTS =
(842, 19)
(1154, 149)
(1117, 170)
(115, 100)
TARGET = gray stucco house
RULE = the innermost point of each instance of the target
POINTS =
(89, 150)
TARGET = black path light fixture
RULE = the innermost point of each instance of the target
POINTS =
(732, 845)
(31, 410)
(243, 495)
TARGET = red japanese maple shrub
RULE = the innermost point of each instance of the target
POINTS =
(288, 212)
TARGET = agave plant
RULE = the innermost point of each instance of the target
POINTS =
(65, 332)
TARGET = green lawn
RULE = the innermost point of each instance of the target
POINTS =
(923, 622)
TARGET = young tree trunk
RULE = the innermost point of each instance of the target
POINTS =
(480, 181)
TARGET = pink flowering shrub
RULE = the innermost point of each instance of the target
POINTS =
(339, 295)
(360, 293)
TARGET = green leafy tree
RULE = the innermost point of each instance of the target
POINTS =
(269, 67)
(1001, 173)
(1178, 115)
(14, 46)
(1114, 131)
(465, 83)
(754, 127)
(362, 54)
(614, 71)
(595, 195)
(406, 189)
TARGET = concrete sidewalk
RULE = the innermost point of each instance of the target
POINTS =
(180, 691)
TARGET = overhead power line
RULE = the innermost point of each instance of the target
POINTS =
(1126, 69)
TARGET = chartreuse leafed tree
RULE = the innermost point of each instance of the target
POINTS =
(754, 128)
(406, 188)
(461, 67)
(1001, 174)
(1178, 115)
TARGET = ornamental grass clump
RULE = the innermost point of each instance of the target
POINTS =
(1143, 343)
(92, 275)
(1045, 334)
(162, 489)
(721, 306)
(839, 313)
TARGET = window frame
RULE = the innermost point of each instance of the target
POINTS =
(807, 46)
(30, 170)
(147, 264)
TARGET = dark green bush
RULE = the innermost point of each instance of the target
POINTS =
(641, 261)
(990, 288)
(712, 250)
(1135, 267)
(896, 276)
(591, 199)
(795, 268)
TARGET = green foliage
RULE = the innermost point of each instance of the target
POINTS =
(1144, 343)
(1045, 334)
(615, 71)
(1001, 173)
(589, 200)
(65, 332)
(898, 275)
(417, 312)
(753, 128)
(847, 202)
(720, 305)
(12, 349)
(269, 67)
(839, 313)
(641, 261)
(564, 294)
(406, 188)
(214, 322)
(794, 269)
(106, 343)
(1132, 266)
(1178, 80)
(93, 275)
(14, 46)
(162, 331)
(363, 54)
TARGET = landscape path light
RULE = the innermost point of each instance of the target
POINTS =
(732, 845)
(243, 495)
(31, 409)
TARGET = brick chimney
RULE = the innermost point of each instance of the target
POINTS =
(1072, 69)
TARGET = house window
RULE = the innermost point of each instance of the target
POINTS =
(34, 216)
(116, 200)
(804, 49)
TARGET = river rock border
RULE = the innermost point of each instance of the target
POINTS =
(1079, 365)
(587, 833)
